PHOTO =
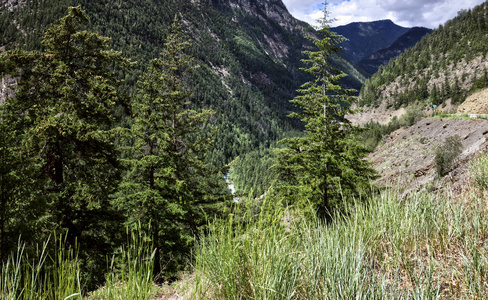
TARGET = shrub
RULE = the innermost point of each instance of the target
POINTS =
(447, 154)
(413, 115)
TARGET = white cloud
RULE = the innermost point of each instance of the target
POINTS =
(408, 13)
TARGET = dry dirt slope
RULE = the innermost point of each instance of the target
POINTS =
(407, 156)
(477, 103)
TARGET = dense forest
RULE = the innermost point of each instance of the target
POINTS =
(249, 63)
(249, 91)
(96, 145)
(447, 64)
(123, 118)
(74, 168)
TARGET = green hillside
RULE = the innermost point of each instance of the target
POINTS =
(249, 61)
(447, 64)
(121, 113)
(239, 76)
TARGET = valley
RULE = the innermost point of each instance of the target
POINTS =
(223, 149)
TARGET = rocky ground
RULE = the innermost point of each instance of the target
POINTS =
(380, 115)
(406, 158)
(383, 115)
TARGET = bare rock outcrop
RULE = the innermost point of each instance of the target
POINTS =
(6, 84)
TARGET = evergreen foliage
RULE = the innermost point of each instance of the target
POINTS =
(61, 114)
(12, 208)
(324, 167)
(239, 77)
(80, 159)
(253, 171)
(169, 185)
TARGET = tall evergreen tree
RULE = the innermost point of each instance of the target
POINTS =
(446, 88)
(167, 186)
(434, 95)
(64, 108)
(325, 166)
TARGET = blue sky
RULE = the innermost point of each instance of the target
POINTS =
(407, 13)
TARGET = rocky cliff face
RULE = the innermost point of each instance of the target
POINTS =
(6, 83)
(275, 28)
(266, 10)
(281, 35)
(11, 4)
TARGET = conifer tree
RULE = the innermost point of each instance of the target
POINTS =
(63, 110)
(325, 166)
(434, 95)
(446, 88)
(167, 187)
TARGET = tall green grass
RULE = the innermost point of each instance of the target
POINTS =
(43, 275)
(425, 246)
(130, 273)
(478, 171)
(53, 272)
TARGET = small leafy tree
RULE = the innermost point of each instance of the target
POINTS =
(325, 166)
(446, 155)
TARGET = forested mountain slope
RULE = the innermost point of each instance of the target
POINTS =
(372, 63)
(365, 38)
(95, 140)
(249, 53)
(446, 65)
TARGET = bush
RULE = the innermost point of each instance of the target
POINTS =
(413, 115)
(447, 154)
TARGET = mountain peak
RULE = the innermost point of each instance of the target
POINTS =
(365, 38)
(383, 56)
(375, 24)
(384, 21)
